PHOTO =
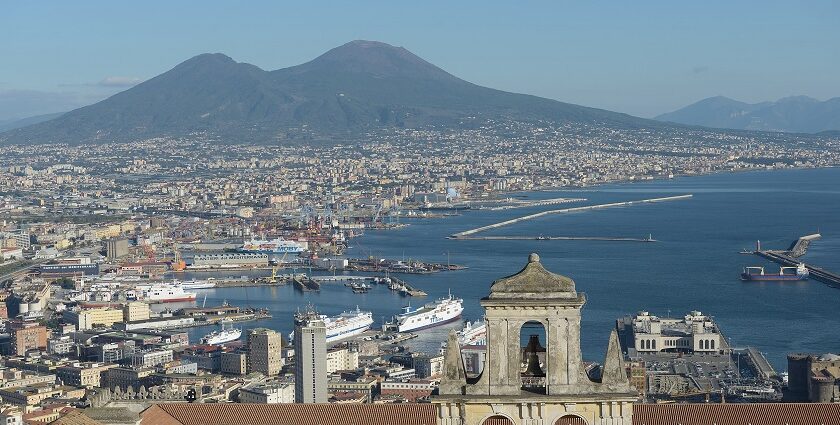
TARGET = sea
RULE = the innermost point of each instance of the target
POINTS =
(693, 265)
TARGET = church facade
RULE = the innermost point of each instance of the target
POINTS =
(551, 390)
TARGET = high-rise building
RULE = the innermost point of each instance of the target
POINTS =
(264, 351)
(310, 359)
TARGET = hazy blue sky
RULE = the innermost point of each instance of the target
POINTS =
(639, 57)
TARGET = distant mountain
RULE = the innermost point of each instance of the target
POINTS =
(799, 114)
(359, 86)
(23, 122)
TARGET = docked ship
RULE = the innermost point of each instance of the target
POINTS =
(444, 310)
(344, 325)
(274, 246)
(167, 294)
(222, 336)
(474, 333)
(799, 272)
(198, 284)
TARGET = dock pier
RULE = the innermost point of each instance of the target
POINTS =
(404, 288)
(816, 273)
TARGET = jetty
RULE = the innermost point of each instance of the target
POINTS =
(790, 258)
(558, 238)
(404, 288)
(814, 272)
(470, 232)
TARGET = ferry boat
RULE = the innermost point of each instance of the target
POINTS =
(799, 272)
(198, 284)
(344, 325)
(167, 294)
(222, 336)
(474, 333)
(274, 246)
(444, 310)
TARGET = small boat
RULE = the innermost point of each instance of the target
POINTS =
(757, 273)
(360, 288)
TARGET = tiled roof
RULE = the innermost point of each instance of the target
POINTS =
(424, 414)
(737, 414)
(289, 414)
(75, 417)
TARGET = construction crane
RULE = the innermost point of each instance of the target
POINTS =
(178, 263)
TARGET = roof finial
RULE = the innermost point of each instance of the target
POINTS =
(534, 258)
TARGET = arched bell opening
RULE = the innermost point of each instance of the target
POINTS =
(534, 356)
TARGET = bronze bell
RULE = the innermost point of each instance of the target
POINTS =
(533, 368)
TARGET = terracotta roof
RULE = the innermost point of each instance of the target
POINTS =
(737, 414)
(75, 417)
(289, 414)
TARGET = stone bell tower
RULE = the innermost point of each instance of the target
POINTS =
(503, 393)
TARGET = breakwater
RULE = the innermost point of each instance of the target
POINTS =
(565, 210)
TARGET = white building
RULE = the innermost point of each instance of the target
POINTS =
(694, 332)
(310, 359)
(152, 358)
(280, 392)
(343, 358)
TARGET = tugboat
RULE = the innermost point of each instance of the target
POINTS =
(757, 273)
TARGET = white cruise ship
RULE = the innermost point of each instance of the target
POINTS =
(274, 246)
(198, 284)
(474, 333)
(436, 313)
(344, 325)
(166, 293)
(222, 336)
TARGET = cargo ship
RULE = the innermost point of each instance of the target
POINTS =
(167, 294)
(274, 246)
(344, 325)
(799, 272)
(222, 336)
(444, 310)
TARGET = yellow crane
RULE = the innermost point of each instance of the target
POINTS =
(273, 278)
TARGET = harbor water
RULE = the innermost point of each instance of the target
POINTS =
(694, 265)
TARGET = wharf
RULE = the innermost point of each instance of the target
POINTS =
(398, 266)
(816, 273)
(340, 278)
(760, 364)
(404, 288)
(564, 210)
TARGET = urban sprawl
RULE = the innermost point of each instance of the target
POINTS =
(94, 236)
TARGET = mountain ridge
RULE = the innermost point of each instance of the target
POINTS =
(352, 88)
(795, 114)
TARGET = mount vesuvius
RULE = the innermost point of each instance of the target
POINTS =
(359, 86)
